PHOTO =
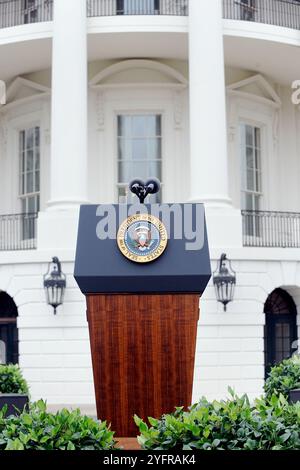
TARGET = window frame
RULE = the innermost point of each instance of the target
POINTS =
(133, 113)
(259, 194)
(35, 194)
(274, 318)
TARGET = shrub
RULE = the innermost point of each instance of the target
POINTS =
(227, 425)
(284, 377)
(39, 430)
(11, 380)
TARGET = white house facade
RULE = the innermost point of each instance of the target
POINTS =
(199, 94)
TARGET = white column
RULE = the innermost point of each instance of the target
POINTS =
(68, 187)
(208, 133)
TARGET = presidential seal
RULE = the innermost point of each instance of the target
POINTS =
(142, 238)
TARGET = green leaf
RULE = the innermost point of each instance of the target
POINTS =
(153, 422)
(71, 446)
(27, 420)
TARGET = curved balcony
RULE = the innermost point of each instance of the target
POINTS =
(284, 13)
(20, 12)
(137, 7)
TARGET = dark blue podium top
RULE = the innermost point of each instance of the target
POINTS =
(184, 266)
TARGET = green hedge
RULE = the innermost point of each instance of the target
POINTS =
(283, 378)
(233, 424)
(11, 380)
(39, 430)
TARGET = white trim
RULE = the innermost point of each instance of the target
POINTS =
(15, 125)
(135, 85)
(17, 85)
(20, 82)
(259, 115)
(252, 97)
(236, 89)
(261, 31)
(138, 63)
(29, 99)
(134, 101)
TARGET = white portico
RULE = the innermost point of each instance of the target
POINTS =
(191, 92)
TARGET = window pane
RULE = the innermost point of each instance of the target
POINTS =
(29, 138)
(155, 170)
(139, 149)
(22, 162)
(124, 126)
(257, 181)
(249, 135)
(37, 136)
(29, 160)
(154, 149)
(37, 159)
(124, 149)
(139, 128)
(24, 206)
(257, 159)
(250, 180)
(129, 170)
(153, 126)
(29, 181)
(257, 137)
(37, 181)
(31, 204)
(249, 157)
(22, 184)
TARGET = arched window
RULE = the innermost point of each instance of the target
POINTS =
(8, 330)
(281, 328)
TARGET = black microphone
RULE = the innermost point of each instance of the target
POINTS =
(142, 189)
(152, 186)
(136, 186)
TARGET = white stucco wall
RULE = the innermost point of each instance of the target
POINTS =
(55, 351)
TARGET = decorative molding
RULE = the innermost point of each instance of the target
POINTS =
(178, 110)
(232, 121)
(175, 76)
(100, 113)
(238, 89)
(36, 89)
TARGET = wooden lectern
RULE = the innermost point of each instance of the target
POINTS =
(142, 316)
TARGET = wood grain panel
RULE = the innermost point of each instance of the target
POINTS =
(143, 352)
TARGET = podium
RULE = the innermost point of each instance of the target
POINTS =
(142, 279)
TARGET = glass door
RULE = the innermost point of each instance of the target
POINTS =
(137, 7)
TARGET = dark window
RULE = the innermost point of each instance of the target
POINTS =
(9, 349)
(30, 11)
(281, 328)
(247, 10)
(138, 7)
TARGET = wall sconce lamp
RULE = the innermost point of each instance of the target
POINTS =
(224, 280)
(54, 284)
